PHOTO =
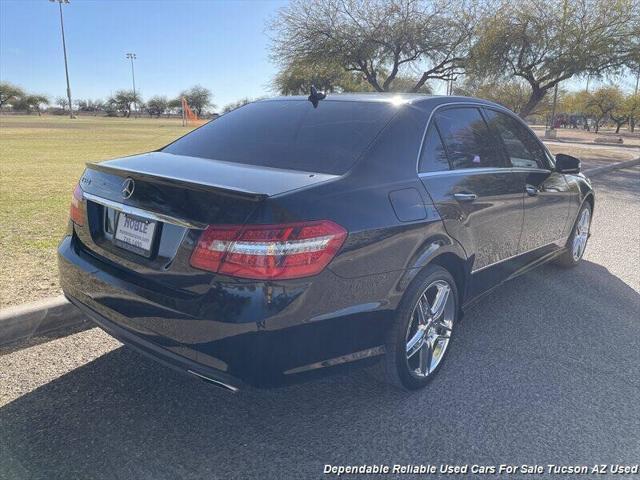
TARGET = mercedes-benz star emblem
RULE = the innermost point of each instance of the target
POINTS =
(127, 188)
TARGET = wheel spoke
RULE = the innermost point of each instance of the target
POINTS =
(581, 235)
(442, 324)
(426, 354)
(422, 310)
(440, 300)
(415, 343)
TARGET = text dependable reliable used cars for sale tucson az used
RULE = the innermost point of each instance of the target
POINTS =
(294, 235)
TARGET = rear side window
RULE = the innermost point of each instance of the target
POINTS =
(467, 139)
(522, 148)
(433, 157)
(290, 134)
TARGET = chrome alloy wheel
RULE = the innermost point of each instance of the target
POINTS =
(429, 330)
(581, 235)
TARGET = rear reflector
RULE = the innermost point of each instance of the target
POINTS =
(291, 250)
(76, 212)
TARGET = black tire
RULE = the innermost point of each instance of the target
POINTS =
(568, 259)
(400, 370)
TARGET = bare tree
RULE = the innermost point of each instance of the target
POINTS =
(380, 40)
(62, 102)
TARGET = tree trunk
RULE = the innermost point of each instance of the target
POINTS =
(618, 125)
(537, 94)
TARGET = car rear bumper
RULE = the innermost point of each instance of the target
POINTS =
(232, 332)
(162, 355)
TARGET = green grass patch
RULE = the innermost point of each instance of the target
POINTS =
(41, 159)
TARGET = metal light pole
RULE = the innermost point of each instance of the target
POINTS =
(632, 122)
(551, 131)
(64, 49)
(132, 57)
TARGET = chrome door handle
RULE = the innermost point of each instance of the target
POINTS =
(465, 197)
(531, 190)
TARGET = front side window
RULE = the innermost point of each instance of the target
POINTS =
(290, 134)
(522, 148)
(467, 139)
(433, 157)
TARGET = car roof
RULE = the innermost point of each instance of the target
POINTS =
(387, 97)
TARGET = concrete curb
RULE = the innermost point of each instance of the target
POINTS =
(614, 166)
(38, 318)
(51, 314)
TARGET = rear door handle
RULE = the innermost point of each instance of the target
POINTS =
(465, 197)
(531, 190)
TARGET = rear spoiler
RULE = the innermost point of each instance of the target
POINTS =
(177, 181)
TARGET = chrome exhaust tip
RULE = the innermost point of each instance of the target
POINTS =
(215, 382)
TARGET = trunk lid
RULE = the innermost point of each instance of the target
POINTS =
(176, 196)
(235, 179)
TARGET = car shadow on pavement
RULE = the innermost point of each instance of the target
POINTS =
(543, 370)
(619, 182)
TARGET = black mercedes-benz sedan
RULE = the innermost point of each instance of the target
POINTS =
(298, 234)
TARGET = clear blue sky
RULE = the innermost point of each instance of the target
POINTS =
(222, 45)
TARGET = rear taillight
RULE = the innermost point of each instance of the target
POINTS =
(76, 212)
(291, 250)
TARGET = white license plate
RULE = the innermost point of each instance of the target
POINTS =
(135, 233)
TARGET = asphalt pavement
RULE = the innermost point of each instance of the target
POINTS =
(546, 370)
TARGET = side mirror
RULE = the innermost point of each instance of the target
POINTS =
(567, 163)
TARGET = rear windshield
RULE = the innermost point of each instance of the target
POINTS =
(290, 134)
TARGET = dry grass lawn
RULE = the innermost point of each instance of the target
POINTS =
(41, 159)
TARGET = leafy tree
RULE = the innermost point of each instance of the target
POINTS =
(633, 108)
(545, 43)
(122, 101)
(602, 103)
(9, 93)
(574, 102)
(512, 94)
(297, 77)
(157, 105)
(626, 111)
(30, 103)
(232, 106)
(378, 40)
(174, 105)
(198, 98)
(89, 105)
(406, 84)
(620, 114)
